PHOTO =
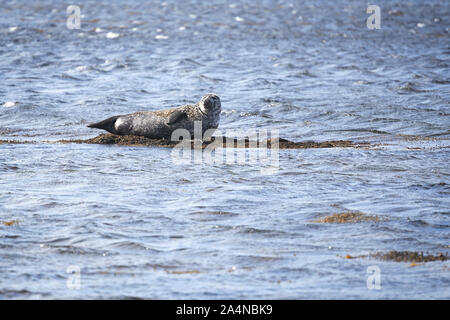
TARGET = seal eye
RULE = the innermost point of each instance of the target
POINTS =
(208, 104)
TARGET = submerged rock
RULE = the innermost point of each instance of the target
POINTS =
(409, 256)
(347, 217)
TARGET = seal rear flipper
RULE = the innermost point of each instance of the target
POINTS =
(107, 124)
(177, 116)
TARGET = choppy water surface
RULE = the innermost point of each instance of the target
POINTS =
(138, 225)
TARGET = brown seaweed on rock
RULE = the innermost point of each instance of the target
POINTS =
(130, 140)
(347, 217)
(403, 256)
(409, 256)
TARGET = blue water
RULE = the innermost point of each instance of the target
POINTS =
(139, 225)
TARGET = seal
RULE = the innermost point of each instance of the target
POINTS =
(160, 124)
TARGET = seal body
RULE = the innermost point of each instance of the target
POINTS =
(160, 124)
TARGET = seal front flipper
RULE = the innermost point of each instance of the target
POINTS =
(177, 116)
(108, 124)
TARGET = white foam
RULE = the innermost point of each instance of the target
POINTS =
(112, 35)
(9, 104)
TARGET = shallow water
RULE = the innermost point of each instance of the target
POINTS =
(139, 225)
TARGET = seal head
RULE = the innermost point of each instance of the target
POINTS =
(209, 103)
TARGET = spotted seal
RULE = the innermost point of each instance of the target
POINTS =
(160, 124)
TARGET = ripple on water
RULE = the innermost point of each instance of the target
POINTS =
(140, 226)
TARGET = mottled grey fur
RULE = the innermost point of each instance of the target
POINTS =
(160, 124)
